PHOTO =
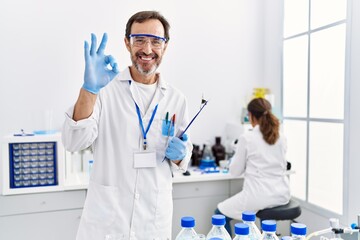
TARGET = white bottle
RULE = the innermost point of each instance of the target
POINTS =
(76, 162)
(269, 230)
(87, 157)
(187, 232)
(298, 231)
(249, 218)
(241, 231)
(218, 229)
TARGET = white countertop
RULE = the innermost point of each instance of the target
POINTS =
(81, 181)
(197, 175)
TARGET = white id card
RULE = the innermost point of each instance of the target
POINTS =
(145, 159)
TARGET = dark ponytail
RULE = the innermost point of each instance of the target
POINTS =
(269, 125)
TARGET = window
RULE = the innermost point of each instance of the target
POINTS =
(313, 94)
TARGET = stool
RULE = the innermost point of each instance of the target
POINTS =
(289, 211)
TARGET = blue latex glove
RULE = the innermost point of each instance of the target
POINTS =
(97, 74)
(176, 149)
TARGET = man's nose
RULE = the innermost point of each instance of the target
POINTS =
(147, 48)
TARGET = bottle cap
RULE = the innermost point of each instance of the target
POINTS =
(218, 219)
(268, 225)
(248, 216)
(187, 222)
(298, 228)
(215, 238)
(241, 229)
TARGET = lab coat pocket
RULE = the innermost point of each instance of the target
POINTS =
(100, 204)
(167, 128)
(164, 208)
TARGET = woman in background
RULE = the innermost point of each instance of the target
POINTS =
(260, 156)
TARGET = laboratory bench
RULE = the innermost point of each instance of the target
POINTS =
(56, 215)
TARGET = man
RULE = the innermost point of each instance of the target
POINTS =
(132, 120)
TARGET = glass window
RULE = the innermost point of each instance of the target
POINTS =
(295, 77)
(327, 73)
(326, 165)
(296, 16)
(296, 155)
(313, 95)
(324, 12)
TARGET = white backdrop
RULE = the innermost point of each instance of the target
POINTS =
(216, 48)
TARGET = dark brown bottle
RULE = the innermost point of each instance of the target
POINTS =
(196, 155)
(218, 150)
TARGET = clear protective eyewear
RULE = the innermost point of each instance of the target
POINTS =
(139, 40)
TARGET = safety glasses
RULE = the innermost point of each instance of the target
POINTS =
(140, 40)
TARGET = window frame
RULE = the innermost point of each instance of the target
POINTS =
(345, 121)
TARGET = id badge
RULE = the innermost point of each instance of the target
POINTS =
(145, 159)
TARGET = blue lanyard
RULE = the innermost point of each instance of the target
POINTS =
(142, 125)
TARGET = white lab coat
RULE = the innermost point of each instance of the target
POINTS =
(264, 168)
(135, 203)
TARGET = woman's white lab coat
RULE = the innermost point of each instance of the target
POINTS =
(133, 202)
(264, 168)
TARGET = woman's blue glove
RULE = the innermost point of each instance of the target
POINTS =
(97, 74)
(176, 149)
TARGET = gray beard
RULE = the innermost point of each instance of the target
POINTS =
(148, 72)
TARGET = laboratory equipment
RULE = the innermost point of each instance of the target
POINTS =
(298, 231)
(241, 231)
(207, 160)
(87, 161)
(218, 150)
(218, 228)
(187, 232)
(335, 230)
(249, 218)
(32, 163)
(196, 155)
(269, 230)
(76, 160)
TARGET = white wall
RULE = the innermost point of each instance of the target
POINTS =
(215, 49)
(353, 176)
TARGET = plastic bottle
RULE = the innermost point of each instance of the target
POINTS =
(87, 156)
(218, 229)
(76, 162)
(298, 231)
(269, 230)
(249, 218)
(187, 232)
(286, 238)
(241, 231)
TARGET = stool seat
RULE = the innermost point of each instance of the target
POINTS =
(289, 211)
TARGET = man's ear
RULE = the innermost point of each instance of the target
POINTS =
(127, 43)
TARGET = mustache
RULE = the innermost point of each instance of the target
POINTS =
(142, 54)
